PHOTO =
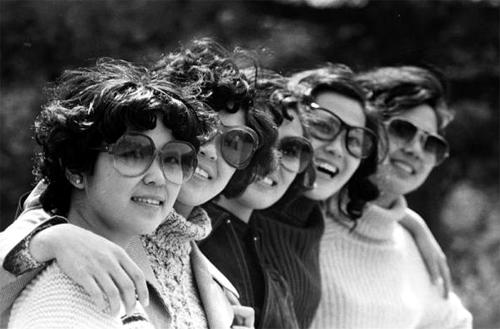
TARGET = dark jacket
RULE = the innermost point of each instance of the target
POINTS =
(240, 257)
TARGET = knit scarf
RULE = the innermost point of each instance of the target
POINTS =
(168, 249)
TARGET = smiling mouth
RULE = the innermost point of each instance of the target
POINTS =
(403, 166)
(202, 173)
(148, 201)
(268, 181)
(328, 169)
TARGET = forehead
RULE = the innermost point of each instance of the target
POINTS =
(348, 109)
(422, 116)
(232, 119)
(291, 127)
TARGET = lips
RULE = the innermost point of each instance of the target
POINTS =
(268, 181)
(326, 168)
(204, 171)
(148, 200)
(404, 166)
(200, 172)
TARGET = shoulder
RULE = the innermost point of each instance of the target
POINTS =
(53, 300)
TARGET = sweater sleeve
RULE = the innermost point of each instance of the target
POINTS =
(53, 300)
(446, 314)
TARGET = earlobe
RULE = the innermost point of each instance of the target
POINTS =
(75, 179)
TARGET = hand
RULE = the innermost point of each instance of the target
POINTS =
(244, 317)
(101, 267)
(432, 254)
(435, 261)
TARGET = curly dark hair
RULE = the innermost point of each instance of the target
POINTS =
(392, 90)
(211, 72)
(88, 107)
(339, 78)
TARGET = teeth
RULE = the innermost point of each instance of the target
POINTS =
(147, 201)
(327, 168)
(403, 166)
(268, 181)
(201, 172)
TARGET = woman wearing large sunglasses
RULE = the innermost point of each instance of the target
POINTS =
(227, 145)
(233, 245)
(373, 275)
(116, 145)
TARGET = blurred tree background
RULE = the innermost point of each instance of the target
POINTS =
(460, 201)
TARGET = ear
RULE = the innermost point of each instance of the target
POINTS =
(75, 179)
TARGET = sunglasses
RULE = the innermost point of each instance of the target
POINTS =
(324, 125)
(133, 154)
(296, 153)
(237, 144)
(406, 132)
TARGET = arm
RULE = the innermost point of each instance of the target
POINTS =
(432, 254)
(92, 261)
(54, 300)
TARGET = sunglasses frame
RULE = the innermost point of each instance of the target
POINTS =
(227, 129)
(426, 135)
(303, 140)
(344, 127)
(109, 149)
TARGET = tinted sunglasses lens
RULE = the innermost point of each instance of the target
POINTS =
(324, 125)
(132, 154)
(296, 154)
(360, 142)
(237, 147)
(437, 146)
(178, 161)
(403, 130)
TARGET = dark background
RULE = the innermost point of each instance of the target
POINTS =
(460, 201)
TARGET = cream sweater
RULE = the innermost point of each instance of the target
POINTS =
(53, 300)
(374, 277)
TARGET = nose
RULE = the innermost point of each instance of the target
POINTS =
(416, 145)
(155, 174)
(335, 147)
(209, 150)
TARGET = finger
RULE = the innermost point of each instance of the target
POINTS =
(138, 280)
(111, 293)
(126, 287)
(243, 315)
(92, 288)
(445, 273)
(432, 267)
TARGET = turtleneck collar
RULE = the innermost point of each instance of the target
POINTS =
(377, 223)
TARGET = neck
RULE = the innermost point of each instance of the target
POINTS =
(236, 208)
(183, 209)
(386, 200)
(81, 217)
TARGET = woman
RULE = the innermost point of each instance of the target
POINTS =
(234, 244)
(116, 147)
(372, 272)
(218, 83)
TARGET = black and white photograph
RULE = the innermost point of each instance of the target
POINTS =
(250, 164)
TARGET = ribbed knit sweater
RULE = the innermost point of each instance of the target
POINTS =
(168, 249)
(291, 246)
(53, 300)
(374, 277)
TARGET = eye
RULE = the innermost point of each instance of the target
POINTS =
(170, 160)
(290, 149)
(137, 153)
